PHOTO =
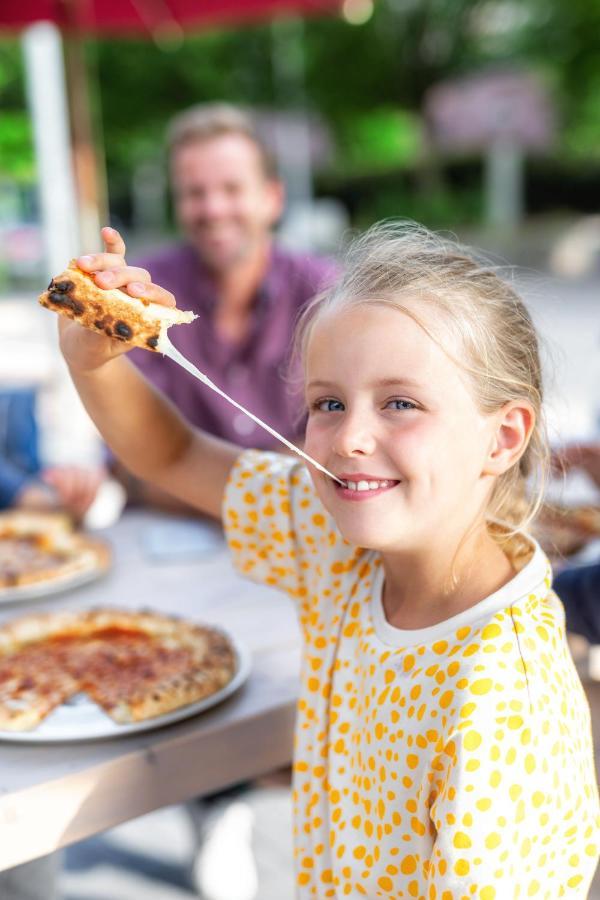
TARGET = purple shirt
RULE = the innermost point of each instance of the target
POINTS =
(253, 372)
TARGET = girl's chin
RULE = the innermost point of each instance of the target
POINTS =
(370, 539)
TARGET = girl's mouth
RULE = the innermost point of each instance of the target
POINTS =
(358, 488)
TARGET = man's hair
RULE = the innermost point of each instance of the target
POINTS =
(211, 120)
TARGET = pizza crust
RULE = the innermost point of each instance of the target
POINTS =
(75, 294)
(134, 665)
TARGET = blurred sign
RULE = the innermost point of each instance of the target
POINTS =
(472, 113)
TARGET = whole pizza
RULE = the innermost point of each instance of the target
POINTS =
(134, 665)
(38, 548)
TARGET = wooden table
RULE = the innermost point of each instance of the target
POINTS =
(55, 794)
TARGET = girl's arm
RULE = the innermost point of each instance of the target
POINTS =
(142, 428)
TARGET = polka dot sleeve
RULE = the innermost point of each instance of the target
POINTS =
(268, 499)
(504, 815)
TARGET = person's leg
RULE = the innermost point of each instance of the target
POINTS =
(36, 880)
(579, 591)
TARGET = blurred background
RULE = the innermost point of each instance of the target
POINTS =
(476, 117)
(481, 117)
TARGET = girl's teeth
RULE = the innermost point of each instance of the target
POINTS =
(366, 485)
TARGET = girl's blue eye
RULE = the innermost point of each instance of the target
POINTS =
(329, 405)
(400, 404)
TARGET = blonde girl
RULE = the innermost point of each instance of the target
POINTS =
(443, 746)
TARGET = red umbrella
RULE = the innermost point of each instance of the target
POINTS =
(135, 16)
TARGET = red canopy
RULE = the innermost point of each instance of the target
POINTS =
(135, 16)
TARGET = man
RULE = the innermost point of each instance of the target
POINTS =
(246, 290)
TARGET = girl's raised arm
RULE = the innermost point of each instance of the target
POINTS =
(142, 427)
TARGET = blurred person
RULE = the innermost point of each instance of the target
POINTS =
(246, 290)
(579, 586)
(24, 482)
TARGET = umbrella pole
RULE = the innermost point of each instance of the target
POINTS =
(46, 99)
(90, 173)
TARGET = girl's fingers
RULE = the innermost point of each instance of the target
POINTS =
(114, 256)
(113, 241)
(100, 262)
(121, 275)
(149, 291)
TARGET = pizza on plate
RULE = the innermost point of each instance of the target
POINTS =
(38, 547)
(134, 665)
(75, 294)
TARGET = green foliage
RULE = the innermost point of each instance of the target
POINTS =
(383, 138)
(16, 148)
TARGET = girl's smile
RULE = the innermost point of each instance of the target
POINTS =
(360, 486)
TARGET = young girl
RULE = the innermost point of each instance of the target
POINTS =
(443, 745)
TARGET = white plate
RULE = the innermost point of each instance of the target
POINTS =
(82, 720)
(39, 590)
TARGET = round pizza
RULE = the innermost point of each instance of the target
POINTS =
(41, 548)
(134, 665)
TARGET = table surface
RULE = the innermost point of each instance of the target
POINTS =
(55, 794)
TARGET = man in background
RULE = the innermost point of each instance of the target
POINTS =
(228, 269)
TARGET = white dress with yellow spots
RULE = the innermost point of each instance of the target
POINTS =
(447, 762)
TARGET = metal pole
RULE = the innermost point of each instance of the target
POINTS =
(46, 91)
(89, 174)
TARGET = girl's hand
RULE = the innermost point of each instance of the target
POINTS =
(86, 350)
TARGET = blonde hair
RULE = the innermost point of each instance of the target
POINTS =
(482, 312)
(211, 120)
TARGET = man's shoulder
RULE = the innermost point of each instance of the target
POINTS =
(305, 271)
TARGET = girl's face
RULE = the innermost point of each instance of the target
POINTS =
(395, 418)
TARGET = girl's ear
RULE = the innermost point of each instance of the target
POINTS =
(514, 423)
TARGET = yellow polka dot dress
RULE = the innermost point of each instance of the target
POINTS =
(444, 763)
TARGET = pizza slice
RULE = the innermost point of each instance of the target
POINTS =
(75, 294)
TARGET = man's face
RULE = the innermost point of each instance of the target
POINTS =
(225, 203)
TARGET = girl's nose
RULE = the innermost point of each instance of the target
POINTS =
(353, 437)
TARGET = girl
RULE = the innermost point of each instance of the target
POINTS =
(443, 745)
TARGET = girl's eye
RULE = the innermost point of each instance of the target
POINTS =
(400, 404)
(328, 405)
